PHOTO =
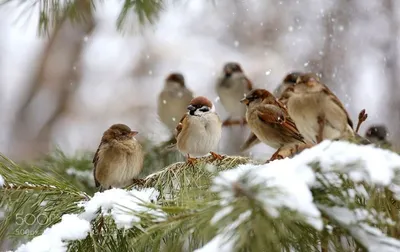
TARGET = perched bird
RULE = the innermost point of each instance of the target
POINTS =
(119, 158)
(317, 112)
(173, 100)
(377, 134)
(289, 80)
(199, 131)
(269, 120)
(232, 86)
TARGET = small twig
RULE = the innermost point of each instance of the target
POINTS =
(362, 116)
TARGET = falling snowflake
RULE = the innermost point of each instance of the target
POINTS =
(217, 99)
(150, 72)
(290, 28)
(306, 64)
(164, 101)
(236, 43)
(173, 119)
(268, 72)
(180, 94)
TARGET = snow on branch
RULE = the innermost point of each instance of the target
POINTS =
(288, 183)
(125, 207)
(371, 238)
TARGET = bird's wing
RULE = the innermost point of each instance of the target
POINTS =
(179, 127)
(95, 161)
(277, 117)
(336, 100)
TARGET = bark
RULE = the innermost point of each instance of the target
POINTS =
(58, 75)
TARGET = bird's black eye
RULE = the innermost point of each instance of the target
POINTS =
(204, 109)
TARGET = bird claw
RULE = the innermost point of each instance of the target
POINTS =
(275, 156)
(216, 156)
(362, 117)
(191, 161)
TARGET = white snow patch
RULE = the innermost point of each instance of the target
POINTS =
(1, 181)
(225, 240)
(122, 205)
(362, 163)
(372, 238)
(217, 244)
(294, 177)
(294, 191)
(55, 238)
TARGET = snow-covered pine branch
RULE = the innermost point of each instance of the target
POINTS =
(290, 204)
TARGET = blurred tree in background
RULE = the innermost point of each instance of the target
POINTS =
(67, 93)
(69, 98)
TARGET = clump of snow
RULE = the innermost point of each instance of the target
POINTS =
(56, 238)
(289, 177)
(122, 205)
(372, 238)
(86, 176)
(1, 181)
(225, 240)
(218, 243)
(362, 163)
(293, 178)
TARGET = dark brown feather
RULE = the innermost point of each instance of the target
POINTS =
(95, 161)
(281, 120)
(200, 101)
(179, 127)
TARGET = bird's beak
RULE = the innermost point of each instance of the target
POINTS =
(133, 133)
(228, 73)
(191, 107)
(245, 101)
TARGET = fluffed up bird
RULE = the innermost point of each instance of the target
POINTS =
(119, 158)
(232, 86)
(270, 122)
(377, 134)
(199, 131)
(289, 80)
(317, 112)
(173, 100)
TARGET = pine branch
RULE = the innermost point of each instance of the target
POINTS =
(51, 12)
(223, 203)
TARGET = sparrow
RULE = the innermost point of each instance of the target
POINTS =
(377, 134)
(289, 80)
(232, 86)
(269, 120)
(173, 100)
(199, 131)
(317, 112)
(118, 159)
